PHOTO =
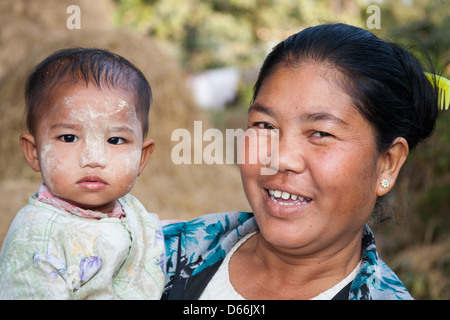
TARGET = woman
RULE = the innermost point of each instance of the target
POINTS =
(346, 108)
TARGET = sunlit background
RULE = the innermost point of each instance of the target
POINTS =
(201, 58)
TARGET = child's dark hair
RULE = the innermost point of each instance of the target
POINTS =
(385, 82)
(93, 66)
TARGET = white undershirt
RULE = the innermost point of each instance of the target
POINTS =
(220, 287)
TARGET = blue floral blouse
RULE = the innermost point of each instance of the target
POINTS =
(196, 248)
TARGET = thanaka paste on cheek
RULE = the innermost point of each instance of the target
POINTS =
(126, 165)
(49, 165)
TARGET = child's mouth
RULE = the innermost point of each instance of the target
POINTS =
(92, 183)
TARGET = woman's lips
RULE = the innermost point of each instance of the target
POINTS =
(286, 198)
(92, 183)
(283, 204)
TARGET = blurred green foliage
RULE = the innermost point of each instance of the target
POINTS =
(213, 33)
(203, 34)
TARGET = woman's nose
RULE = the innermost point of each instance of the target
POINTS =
(290, 156)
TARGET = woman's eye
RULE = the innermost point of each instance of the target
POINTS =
(321, 134)
(116, 140)
(68, 138)
(263, 125)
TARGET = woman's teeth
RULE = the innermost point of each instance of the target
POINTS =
(278, 196)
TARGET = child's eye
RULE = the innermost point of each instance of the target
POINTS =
(69, 138)
(116, 140)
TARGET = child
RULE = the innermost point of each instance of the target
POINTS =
(82, 236)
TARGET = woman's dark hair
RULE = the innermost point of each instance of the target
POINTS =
(90, 65)
(386, 83)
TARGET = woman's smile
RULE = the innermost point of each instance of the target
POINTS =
(281, 203)
(287, 199)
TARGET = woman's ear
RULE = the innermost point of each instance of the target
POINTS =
(391, 163)
(147, 149)
(28, 144)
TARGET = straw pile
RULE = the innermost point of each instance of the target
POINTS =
(30, 31)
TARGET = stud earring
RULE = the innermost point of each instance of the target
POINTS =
(385, 183)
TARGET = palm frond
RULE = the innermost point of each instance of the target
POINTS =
(443, 85)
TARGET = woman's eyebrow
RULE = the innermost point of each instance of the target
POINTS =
(262, 109)
(322, 116)
(308, 117)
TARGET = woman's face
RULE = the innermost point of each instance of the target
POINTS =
(325, 185)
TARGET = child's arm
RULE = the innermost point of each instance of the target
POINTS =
(24, 275)
(26, 271)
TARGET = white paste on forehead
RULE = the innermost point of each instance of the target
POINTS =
(101, 107)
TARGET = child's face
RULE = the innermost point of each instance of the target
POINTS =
(89, 146)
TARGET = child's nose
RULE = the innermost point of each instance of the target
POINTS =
(93, 154)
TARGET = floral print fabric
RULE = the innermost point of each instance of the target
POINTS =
(194, 246)
(50, 253)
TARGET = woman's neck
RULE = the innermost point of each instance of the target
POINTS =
(302, 276)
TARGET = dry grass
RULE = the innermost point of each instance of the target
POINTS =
(425, 269)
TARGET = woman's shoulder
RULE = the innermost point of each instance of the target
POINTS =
(200, 245)
(210, 225)
(376, 281)
(201, 242)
